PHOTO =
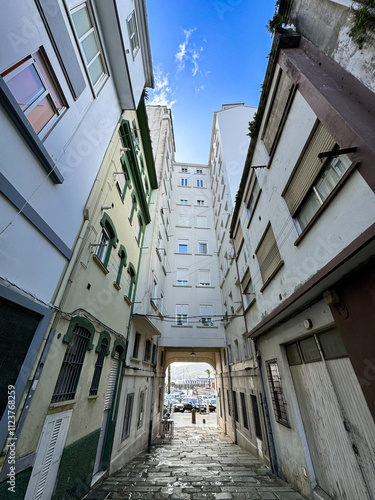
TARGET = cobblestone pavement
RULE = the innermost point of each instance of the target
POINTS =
(199, 463)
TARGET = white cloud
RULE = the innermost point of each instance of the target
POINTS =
(162, 94)
(185, 54)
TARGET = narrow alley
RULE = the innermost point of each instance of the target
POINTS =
(200, 462)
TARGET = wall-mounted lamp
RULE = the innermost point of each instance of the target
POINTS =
(307, 324)
(106, 207)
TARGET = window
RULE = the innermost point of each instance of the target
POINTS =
(183, 201)
(141, 228)
(202, 247)
(107, 240)
(235, 409)
(141, 409)
(204, 277)
(182, 246)
(184, 169)
(247, 289)
(307, 350)
(258, 427)
(184, 182)
(206, 315)
(122, 264)
(199, 182)
(35, 88)
(127, 416)
(238, 238)
(183, 219)
(324, 184)
(89, 44)
(230, 357)
(244, 410)
(312, 181)
(229, 405)
(201, 221)
(132, 275)
(136, 140)
(161, 303)
(67, 381)
(251, 197)
(154, 296)
(133, 33)
(199, 171)
(280, 97)
(98, 368)
(200, 203)
(133, 208)
(236, 350)
(147, 356)
(137, 341)
(246, 347)
(182, 277)
(279, 405)
(268, 255)
(123, 179)
(182, 314)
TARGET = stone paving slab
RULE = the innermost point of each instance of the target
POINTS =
(199, 463)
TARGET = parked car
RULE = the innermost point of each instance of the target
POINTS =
(189, 403)
(177, 405)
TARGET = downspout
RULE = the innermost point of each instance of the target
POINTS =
(270, 440)
(231, 394)
(153, 395)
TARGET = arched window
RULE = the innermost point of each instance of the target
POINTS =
(80, 341)
(132, 275)
(107, 240)
(123, 257)
(123, 178)
(98, 367)
(141, 228)
(133, 207)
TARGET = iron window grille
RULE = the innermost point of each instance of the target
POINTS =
(98, 368)
(67, 381)
(147, 356)
(244, 410)
(235, 409)
(258, 427)
(277, 397)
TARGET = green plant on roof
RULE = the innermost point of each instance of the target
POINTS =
(364, 22)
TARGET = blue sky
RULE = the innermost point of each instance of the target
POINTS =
(206, 53)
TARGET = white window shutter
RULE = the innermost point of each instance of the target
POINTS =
(48, 456)
(112, 381)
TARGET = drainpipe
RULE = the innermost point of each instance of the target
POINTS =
(153, 395)
(269, 434)
(231, 394)
(72, 262)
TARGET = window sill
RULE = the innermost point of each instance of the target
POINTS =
(153, 305)
(129, 302)
(208, 327)
(249, 306)
(67, 405)
(100, 264)
(280, 265)
(184, 204)
(182, 253)
(135, 360)
(181, 225)
(200, 227)
(201, 206)
(117, 286)
(93, 397)
(326, 203)
(182, 286)
(204, 286)
(181, 326)
(200, 187)
(205, 254)
(179, 185)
